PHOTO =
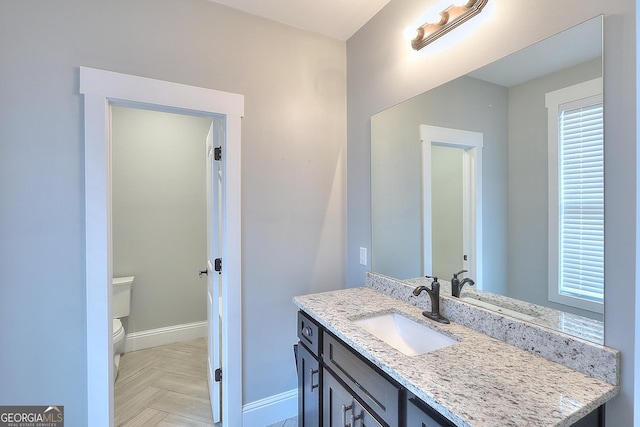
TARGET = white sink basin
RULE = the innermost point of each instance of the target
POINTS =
(403, 334)
(497, 308)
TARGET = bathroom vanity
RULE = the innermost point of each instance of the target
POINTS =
(350, 377)
(337, 387)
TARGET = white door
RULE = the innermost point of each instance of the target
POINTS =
(214, 252)
(447, 223)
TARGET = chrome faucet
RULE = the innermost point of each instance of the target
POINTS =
(434, 295)
(456, 284)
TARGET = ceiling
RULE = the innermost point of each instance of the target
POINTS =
(563, 50)
(338, 19)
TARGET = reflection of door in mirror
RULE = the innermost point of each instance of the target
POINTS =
(451, 201)
(446, 211)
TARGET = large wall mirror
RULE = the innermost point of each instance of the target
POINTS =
(441, 203)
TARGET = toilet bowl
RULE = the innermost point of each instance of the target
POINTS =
(121, 304)
(118, 345)
(118, 336)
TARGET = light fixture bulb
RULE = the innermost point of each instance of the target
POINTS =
(449, 19)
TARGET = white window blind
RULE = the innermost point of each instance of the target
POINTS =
(581, 180)
(576, 195)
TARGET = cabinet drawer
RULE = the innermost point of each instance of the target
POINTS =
(309, 333)
(377, 392)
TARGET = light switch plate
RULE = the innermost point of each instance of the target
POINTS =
(363, 256)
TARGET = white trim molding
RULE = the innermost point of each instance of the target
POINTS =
(167, 335)
(101, 89)
(272, 409)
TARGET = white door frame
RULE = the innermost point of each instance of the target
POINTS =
(471, 143)
(101, 89)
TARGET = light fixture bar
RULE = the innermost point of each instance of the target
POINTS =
(450, 18)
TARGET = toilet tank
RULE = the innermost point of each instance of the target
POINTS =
(121, 296)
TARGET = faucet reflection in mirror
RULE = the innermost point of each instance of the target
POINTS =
(450, 18)
(457, 284)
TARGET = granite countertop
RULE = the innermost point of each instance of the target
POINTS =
(478, 382)
(577, 326)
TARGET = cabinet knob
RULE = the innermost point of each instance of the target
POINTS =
(307, 332)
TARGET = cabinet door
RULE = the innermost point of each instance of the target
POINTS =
(308, 389)
(341, 409)
(594, 419)
(421, 415)
(366, 382)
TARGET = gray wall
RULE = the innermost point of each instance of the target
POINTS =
(396, 221)
(528, 183)
(383, 71)
(465, 103)
(159, 221)
(294, 159)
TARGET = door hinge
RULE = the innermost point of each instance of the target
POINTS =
(218, 265)
(217, 153)
(217, 375)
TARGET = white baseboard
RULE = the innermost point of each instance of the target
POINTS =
(270, 410)
(162, 336)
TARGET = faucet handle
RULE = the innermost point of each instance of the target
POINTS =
(455, 275)
(434, 282)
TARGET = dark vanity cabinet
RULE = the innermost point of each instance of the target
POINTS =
(338, 388)
(309, 372)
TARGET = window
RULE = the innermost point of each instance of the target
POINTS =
(576, 196)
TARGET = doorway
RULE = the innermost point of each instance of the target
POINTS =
(465, 148)
(102, 89)
(159, 235)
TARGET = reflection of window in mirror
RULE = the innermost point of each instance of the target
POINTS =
(576, 196)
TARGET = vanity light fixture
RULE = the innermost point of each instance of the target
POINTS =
(450, 18)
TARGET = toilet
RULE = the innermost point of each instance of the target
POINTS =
(120, 304)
